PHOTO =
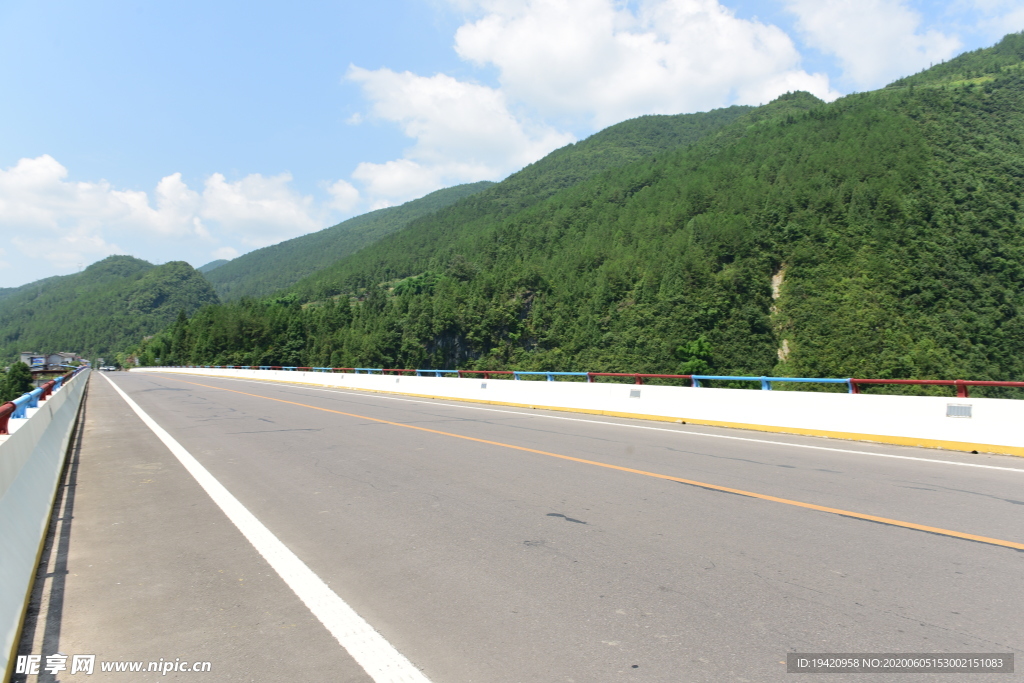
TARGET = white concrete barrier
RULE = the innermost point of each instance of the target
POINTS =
(994, 425)
(31, 460)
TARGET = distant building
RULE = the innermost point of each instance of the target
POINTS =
(53, 362)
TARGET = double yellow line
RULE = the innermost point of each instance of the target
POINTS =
(656, 475)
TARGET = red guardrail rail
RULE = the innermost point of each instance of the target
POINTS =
(6, 410)
(48, 389)
(961, 384)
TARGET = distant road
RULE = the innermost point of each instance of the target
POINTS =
(503, 545)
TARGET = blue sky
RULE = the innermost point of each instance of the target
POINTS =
(193, 131)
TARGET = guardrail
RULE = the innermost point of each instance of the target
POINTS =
(937, 421)
(961, 385)
(32, 457)
(18, 408)
(853, 385)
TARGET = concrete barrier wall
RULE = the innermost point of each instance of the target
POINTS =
(31, 460)
(995, 425)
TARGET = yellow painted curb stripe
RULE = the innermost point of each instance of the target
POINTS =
(916, 442)
(701, 484)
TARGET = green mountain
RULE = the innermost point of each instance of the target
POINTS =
(274, 268)
(614, 147)
(212, 265)
(267, 270)
(106, 308)
(971, 68)
(880, 235)
(11, 291)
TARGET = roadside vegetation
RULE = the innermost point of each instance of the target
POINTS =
(15, 381)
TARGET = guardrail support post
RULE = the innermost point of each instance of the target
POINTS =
(765, 384)
(961, 389)
(21, 405)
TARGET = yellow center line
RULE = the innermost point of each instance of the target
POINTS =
(656, 475)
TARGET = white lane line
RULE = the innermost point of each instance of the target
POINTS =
(376, 655)
(630, 426)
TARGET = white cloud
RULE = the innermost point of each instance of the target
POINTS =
(606, 62)
(259, 210)
(462, 131)
(588, 63)
(875, 41)
(41, 213)
(66, 224)
(344, 197)
(177, 207)
(389, 183)
(996, 18)
(67, 250)
(34, 195)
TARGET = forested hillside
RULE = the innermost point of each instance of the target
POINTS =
(614, 147)
(106, 308)
(212, 265)
(267, 270)
(880, 235)
(6, 292)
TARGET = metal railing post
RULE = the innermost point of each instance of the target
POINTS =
(961, 389)
(33, 397)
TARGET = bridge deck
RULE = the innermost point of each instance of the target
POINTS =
(461, 535)
(142, 566)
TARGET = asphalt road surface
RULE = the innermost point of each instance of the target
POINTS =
(503, 545)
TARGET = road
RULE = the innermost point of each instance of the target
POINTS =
(503, 545)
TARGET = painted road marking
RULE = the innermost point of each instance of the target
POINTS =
(633, 426)
(656, 475)
(371, 651)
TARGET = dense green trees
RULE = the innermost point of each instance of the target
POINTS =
(267, 270)
(979, 66)
(107, 307)
(15, 382)
(880, 235)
